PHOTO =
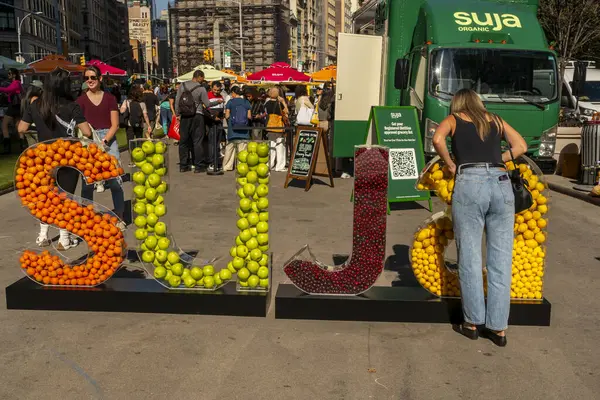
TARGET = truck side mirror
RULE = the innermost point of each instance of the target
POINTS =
(401, 74)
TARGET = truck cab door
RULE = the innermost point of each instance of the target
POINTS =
(418, 80)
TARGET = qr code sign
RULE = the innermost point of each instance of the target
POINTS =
(403, 164)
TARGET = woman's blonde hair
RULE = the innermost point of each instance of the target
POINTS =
(467, 101)
(273, 92)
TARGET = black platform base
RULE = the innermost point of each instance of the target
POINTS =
(136, 295)
(394, 304)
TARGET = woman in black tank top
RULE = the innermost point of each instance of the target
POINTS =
(482, 199)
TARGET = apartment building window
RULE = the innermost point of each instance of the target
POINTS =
(7, 20)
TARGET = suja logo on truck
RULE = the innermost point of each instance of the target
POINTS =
(489, 22)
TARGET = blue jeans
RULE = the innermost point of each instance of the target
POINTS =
(484, 197)
(114, 184)
(165, 119)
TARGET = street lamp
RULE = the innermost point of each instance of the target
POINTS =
(19, 24)
(239, 3)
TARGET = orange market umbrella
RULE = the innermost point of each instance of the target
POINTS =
(327, 74)
(51, 62)
(238, 78)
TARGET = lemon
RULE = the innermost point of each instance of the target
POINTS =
(420, 186)
(528, 234)
(541, 223)
(533, 206)
(531, 244)
(527, 215)
(536, 215)
(519, 219)
(540, 186)
(535, 194)
(540, 237)
(523, 168)
(541, 200)
(532, 224)
(435, 167)
(522, 228)
(451, 185)
(543, 209)
(431, 249)
(437, 175)
(417, 245)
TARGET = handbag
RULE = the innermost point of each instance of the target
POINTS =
(304, 115)
(315, 117)
(174, 129)
(275, 121)
(124, 118)
(523, 197)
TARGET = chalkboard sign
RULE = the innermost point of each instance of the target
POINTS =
(304, 152)
(398, 129)
(304, 155)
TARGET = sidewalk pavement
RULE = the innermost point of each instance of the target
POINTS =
(565, 186)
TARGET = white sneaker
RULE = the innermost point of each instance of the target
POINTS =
(100, 187)
(68, 245)
(121, 225)
(42, 241)
(346, 175)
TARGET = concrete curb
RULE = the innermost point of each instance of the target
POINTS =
(575, 193)
(12, 188)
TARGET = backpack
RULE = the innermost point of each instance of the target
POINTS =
(187, 105)
(239, 116)
(136, 115)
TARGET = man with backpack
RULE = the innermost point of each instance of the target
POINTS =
(190, 102)
(238, 114)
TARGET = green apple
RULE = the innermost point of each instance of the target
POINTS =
(139, 178)
(196, 273)
(177, 269)
(140, 221)
(154, 180)
(253, 231)
(138, 154)
(264, 248)
(262, 190)
(164, 243)
(159, 200)
(151, 242)
(241, 251)
(262, 170)
(253, 218)
(245, 204)
(238, 241)
(157, 263)
(160, 148)
(160, 229)
(264, 216)
(160, 210)
(148, 147)
(245, 235)
(261, 227)
(150, 229)
(252, 267)
(262, 238)
(139, 208)
(238, 262)
(252, 159)
(149, 159)
(254, 207)
(262, 150)
(160, 255)
(243, 283)
(162, 188)
(151, 219)
(256, 254)
(242, 224)
(141, 234)
(233, 251)
(208, 270)
(264, 160)
(225, 274)
(151, 194)
(263, 272)
(230, 267)
(158, 160)
(252, 168)
(139, 191)
(200, 282)
(173, 257)
(186, 272)
(188, 281)
(252, 244)
(243, 274)
(253, 281)
(149, 209)
(264, 283)
(242, 181)
(263, 181)
(148, 256)
(160, 272)
(264, 260)
(161, 171)
(242, 156)
(240, 213)
(249, 189)
(144, 247)
(242, 169)
(209, 282)
(252, 147)
(147, 168)
(139, 164)
(217, 278)
(168, 275)
(240, 193)
(175, 281)
(251, 177)
(263, 202)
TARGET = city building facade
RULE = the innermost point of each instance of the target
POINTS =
(161, 46)
(140, 29)
(198, 25)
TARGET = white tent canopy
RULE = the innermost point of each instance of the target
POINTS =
(210, 74)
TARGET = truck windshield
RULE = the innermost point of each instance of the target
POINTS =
(499, 76)
(591, 90)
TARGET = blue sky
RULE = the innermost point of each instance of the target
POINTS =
(161, 5)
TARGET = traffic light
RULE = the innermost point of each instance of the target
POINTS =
(82, 60)
(290, 54)
(211, 55)
(153, 51)
(206, 55)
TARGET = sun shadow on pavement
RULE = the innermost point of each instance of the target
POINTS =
(400, 262)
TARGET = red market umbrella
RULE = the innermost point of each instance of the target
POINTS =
(279, 72)
(106, 69)
(52, 62)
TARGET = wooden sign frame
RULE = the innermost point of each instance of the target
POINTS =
(313, 163)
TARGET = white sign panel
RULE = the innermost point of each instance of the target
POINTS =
(227, 60)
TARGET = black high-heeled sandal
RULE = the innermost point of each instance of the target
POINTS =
(472, 334)
(498, 340)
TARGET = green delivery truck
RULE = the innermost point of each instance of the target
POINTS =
(420, 52)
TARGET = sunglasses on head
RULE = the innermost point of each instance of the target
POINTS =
(91, 78)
